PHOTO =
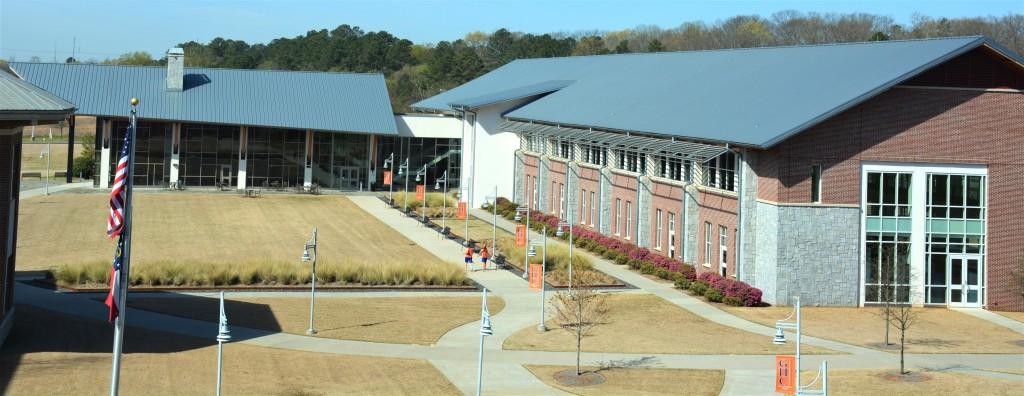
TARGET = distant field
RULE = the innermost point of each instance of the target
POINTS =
(32, 162)
(208, 228)
(85, 128)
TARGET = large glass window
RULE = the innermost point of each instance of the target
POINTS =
(887, 240)
(339, 160)
(594, 154)
(720, 172)
(439, 155)
(955, 225)
(275, 157)
(209, 155)
(674, 168)
(152, 151)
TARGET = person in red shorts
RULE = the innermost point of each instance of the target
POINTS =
(484, 255)
(469, 258)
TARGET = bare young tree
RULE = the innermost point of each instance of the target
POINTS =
(580, 309)
(886, 294)
(903, 317)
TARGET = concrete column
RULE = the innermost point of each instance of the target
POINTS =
(105, 154)
(519, 187)
(746, 256)
(692, 225)
(572, 196)
(371, 163)
(175, 153)
(544, 191)
(604, 224)
(243, 157)
(71, 148)
(307, 174)
(643, 208)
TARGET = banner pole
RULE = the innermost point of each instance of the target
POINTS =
(125, 260)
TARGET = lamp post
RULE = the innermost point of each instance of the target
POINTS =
(780, 339)
(444, 198)
(485, 330)
(387, 165)
(543, 268)
(526, 264)
(311, 244)
(46, 183)
(423, 173)
(402, 169)
(223, 335)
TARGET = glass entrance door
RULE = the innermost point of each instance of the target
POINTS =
(965, 280)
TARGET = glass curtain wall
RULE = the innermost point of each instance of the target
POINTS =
(340, 160)
(275, 157)
(437, 154)
(888, 229)
(152, 150)
(209, 155)
(955, 225)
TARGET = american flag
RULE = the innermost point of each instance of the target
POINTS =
(115, 221)
(115, 281)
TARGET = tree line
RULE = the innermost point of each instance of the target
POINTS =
(417, 71)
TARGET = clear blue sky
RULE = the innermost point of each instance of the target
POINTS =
(106, 28)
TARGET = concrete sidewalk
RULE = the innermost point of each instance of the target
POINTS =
(55, 188)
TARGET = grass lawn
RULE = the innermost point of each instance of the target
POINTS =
(873, 382)
(1018, 316)
(639, 381)
(938, 330)
(74, 358)
(479, 230)
(644, 323)
(30, 161)
(208, 228)
(403, 320)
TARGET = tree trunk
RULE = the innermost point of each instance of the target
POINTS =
(887, 324)
(579, 339)
(902, 347)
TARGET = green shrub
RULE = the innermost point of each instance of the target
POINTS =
(713, 294)
(647, 268)
(698, 287)
(610, 254)
(634, 264)
(83, 165)
(733, 301)
(621, 260)
(600, 250)
(661, 273)
(682, 283)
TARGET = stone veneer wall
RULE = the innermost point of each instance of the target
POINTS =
(606, 201)
(519, 184)
(692, 224)
(644, 219)
(818, 254)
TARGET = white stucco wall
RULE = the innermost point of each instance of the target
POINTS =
(494, 161)
(428, 126)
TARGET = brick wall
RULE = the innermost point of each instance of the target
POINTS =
(916, 125)
(719, 209)
(589, 181)
(556, 183)
(623, 187)
(668, 198)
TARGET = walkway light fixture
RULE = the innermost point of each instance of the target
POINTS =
(532, 252)
(306, 257)
(780, 339)
(444, 198)
(423, 172)
(526, 263)
(223, 335)
(387, 165)
(402, 169)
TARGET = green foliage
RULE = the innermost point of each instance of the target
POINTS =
(136, 58)
(655, 46)
(733, 301)
(698, 287)
(713, 294)
(622, 47)
(682, 283)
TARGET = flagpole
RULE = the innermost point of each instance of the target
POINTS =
(122, 297)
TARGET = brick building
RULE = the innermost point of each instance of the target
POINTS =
(829, 172)
(21, 104)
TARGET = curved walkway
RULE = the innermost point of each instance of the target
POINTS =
(455, 354)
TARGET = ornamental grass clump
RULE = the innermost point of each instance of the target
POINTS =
(266, 273)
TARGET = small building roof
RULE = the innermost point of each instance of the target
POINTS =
(341, 102)
(20, 100)
(755, 97)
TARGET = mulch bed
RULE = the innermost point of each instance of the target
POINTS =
(913, 376)
(569, 378)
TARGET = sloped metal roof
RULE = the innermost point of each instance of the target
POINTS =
(21, 100)
(343, 102)
(755, 97)
(510, 94)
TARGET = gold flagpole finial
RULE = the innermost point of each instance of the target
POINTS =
(134, 101)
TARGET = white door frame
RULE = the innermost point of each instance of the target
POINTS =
(964, 287)
(723, 250)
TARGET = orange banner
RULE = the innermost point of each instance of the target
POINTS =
(387, 177)
(785, 377)
(461, 214)
(536, 281)
(421, 191)
(520, 235)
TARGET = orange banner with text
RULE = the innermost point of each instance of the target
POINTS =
(461, 214)
(785, 376)
(536, 282)
(520, 235)
(387, 177)
(421, 191)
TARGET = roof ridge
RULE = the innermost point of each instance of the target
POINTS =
(982, 37)
(198, 67)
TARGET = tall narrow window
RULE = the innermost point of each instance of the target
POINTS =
(657, 231)
(561, 201)
(816, 183)
(618, 216)
(583, 207)
(723, 248)
(671, 235)
(707, 244)
(629, 217)
(551, 198)
(592, 209)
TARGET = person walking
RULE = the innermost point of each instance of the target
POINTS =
(484, 256)
(469, 258)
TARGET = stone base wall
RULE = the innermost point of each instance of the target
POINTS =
(818, 254)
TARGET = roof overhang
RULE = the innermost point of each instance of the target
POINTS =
(626, 141)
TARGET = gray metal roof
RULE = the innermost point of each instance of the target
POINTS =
(24, 101)
(510, 94)
(344, 102)
(756, 97)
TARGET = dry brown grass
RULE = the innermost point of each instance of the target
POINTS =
(30, 161)
(74, 359)
(938, 330)
(209, 228)
(479, 230)
(643, 323)
(873, 382)
(1018, 316)
(639, 381)
(401, 320)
